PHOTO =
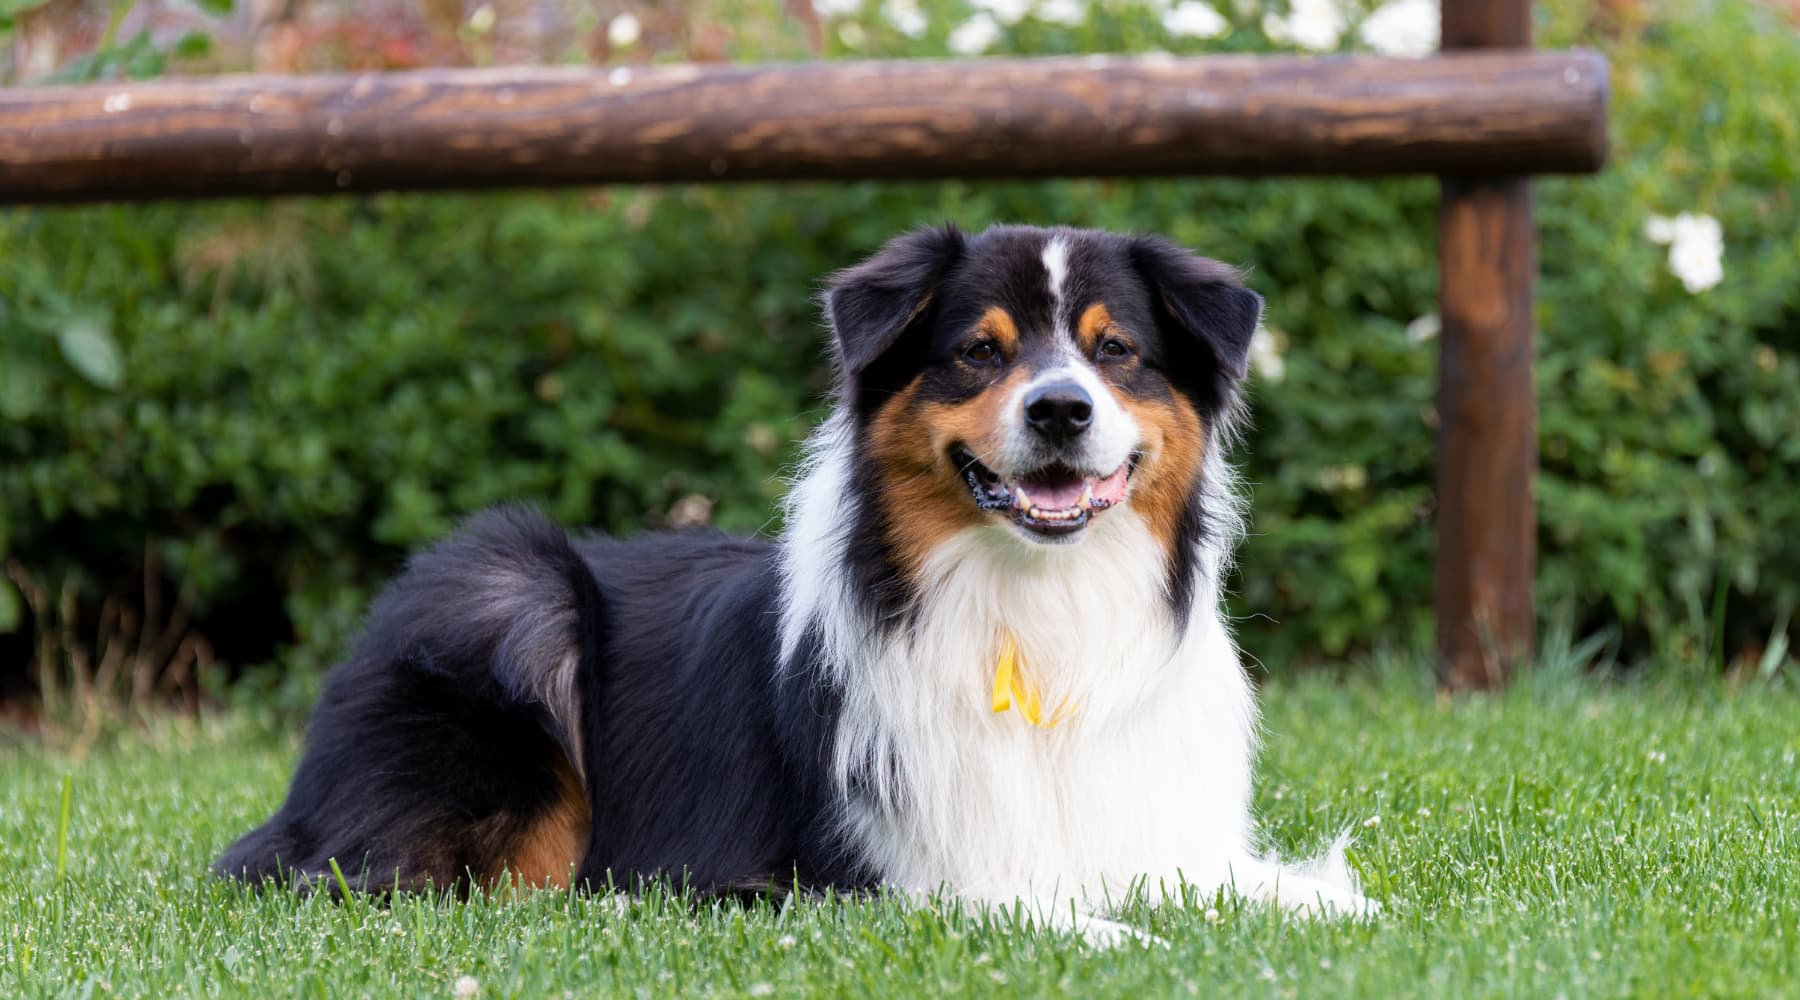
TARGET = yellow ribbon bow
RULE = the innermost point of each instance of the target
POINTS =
(1010, 686)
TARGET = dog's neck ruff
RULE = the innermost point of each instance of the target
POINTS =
(1149, 774)
(1011, 688)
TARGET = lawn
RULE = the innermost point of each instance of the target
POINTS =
(1568, 838)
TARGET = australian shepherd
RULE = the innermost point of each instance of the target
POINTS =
(986, 656)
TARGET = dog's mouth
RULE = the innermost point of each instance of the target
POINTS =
(1051, 501)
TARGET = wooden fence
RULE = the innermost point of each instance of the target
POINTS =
(1483, 114)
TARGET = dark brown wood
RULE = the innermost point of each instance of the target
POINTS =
(1487, 431)
(1471, 24)
(1100, 116)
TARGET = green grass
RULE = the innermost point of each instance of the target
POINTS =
(1564, 839)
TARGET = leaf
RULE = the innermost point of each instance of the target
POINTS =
(218, 7)
(23, 390)
(193, 45)
(88, 345)
(12, 607)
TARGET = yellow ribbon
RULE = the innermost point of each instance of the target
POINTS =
(1010, 686)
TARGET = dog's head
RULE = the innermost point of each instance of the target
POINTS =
(1039, 379)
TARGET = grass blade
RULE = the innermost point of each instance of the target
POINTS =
(62, 825)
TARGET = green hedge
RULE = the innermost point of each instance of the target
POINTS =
(274, 401)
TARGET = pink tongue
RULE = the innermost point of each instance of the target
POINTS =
(1112, 489)
(1056, 493)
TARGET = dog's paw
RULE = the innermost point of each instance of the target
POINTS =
(1320, 900)
(1100, 933)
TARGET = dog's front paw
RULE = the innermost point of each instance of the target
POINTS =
(1312, 898)
(1098, 932)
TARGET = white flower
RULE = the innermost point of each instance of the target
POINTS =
(974, 36)
(1660, 229)
(1004, 11)
(1310, 24)
(837, 8)
(906, 16)
(1699, 265)
(1265, 355)
(622, 32)
(690, 511)
(762, 989)
(1403, 28)
(1696, 248)
(1424, 328)
(1067, 12)
(1193, 19)
(1372, 821)
(466, 988)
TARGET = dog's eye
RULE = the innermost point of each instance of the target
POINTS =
(981, 352)
(1113, 348)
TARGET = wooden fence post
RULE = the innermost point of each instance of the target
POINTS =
(1487, 430)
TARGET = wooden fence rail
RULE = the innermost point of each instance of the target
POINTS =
(1479, 113)
(1483, 116)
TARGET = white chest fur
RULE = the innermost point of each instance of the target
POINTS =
(1148, 774)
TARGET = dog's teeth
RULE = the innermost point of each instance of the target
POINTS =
(1024, 501)
(1087, 493)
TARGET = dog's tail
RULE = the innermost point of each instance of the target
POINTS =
(476, 665)
(506, 600)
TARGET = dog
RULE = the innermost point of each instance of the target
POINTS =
(985, 657)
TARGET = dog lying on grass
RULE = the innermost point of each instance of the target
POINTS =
(987, 655)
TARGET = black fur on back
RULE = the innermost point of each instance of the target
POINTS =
(447, 731)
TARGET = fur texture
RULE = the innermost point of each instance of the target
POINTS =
(1026, 454)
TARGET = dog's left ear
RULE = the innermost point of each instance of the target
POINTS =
(1203, 299)
(872, 304)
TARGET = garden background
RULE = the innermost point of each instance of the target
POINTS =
(222, 425)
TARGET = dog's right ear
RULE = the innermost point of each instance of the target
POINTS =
(872, 304)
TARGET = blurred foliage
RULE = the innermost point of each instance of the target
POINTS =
(257, 409)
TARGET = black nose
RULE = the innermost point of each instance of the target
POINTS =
(1059, 411)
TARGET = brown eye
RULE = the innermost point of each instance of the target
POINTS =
(982, 352)
(1114, 348)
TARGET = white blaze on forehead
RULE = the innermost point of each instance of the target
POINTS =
(1056, 261)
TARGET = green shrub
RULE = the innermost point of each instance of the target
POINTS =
(256, 409)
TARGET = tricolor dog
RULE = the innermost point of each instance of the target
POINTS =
(986, 656)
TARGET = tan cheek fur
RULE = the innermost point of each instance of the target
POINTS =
(923, 500)
(1173, 443)
(1168, 472)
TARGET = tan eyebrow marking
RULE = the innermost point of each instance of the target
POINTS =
(998, 324)
(1094, 323)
